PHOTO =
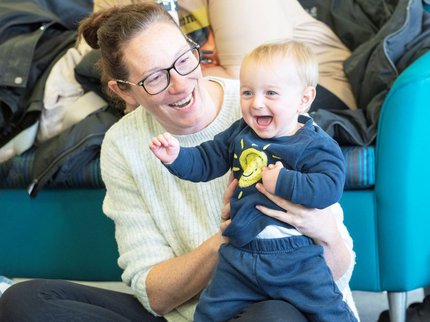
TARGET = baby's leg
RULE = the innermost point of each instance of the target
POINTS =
(231, 289)
(301, 276)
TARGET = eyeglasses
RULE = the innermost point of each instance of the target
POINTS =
(159, 80)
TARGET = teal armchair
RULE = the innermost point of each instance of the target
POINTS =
(390, 223)
(62, 234)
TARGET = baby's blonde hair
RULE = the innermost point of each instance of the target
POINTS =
(304, 59)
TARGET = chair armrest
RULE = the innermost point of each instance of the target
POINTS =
(403, 178)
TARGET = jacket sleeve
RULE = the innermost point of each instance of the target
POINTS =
(207, 161)
(319, 179)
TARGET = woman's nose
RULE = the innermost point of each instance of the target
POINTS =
(177, 82)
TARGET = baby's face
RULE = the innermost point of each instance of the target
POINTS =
(271, 97)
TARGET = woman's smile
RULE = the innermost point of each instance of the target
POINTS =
(184, 103)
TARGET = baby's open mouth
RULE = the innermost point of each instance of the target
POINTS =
(264, 120)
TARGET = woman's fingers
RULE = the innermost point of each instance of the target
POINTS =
(283, 203)
(228, 193)
(224, 225)
(277, 214)
(225, 212)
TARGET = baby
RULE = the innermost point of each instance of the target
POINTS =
(275, 144)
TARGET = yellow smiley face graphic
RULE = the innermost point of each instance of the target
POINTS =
(251, 161)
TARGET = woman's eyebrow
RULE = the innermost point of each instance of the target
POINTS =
(155, 69)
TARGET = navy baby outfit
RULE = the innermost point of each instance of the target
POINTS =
(252, 269)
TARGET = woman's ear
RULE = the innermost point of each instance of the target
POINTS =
(308, 97)
(124, 94)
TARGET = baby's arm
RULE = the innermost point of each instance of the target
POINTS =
(319, 177)
(165, 147)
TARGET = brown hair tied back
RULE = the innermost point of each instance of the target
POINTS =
(89, 26)
(111, 29)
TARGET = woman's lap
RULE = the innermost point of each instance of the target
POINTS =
(56, 300)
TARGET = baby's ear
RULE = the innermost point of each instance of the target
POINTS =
(308, 97)
(123, 94)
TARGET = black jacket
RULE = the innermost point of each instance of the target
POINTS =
(33, 35)
(59, 160)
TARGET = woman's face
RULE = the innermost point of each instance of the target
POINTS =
(183, 106)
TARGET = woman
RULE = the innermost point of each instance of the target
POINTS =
(167, 229)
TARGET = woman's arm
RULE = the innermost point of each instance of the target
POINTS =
(160, 278)
(171, 283)
(322, 225)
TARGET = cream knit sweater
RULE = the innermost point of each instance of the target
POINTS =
(158, 216)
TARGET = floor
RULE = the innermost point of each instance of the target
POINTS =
(369, 305)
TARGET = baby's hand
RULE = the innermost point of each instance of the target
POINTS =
(270, 175)
(165, 147)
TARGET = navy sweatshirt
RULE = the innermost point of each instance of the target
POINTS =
(313, 174)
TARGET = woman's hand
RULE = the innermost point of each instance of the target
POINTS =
(225, 211)
(318, 224)
(228, 194)
(322, 225)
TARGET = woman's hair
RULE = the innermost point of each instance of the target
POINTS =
(304, 60)
(111, 29)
